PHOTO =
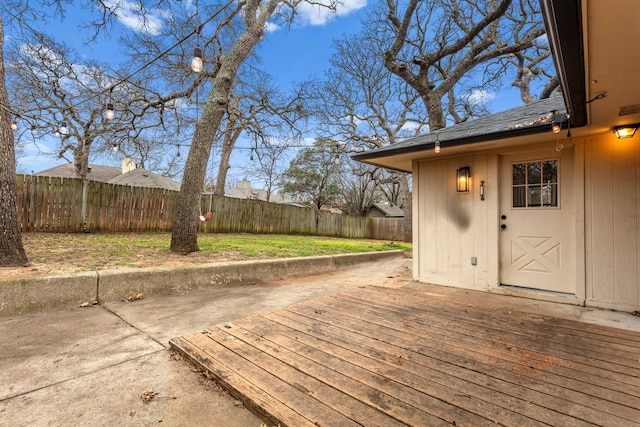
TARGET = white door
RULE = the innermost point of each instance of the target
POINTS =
(537, 245)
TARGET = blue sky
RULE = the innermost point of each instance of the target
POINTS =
(289, 55)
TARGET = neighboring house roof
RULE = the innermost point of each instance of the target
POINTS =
(528, 119)
(296, 204)
(96, 172)
(388, 209)
(145, 178)
(114, 175)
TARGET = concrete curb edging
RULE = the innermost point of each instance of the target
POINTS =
(54, 292)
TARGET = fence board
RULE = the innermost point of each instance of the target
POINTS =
(55, 204)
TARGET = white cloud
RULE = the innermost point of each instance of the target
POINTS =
(317, 15)
(479, 97)
(271, 27)
(130, 15)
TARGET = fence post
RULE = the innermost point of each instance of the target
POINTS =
(83, 212)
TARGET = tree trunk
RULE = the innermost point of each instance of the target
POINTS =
(11, 249)
(221, 180)
(184, 236)
(407, 206)
(433, 102)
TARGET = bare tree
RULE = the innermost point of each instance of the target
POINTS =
(365, 106)
(441, 47)
(267, 163)
(54, 93)
(257, 109)
(11, 249)
(359, 187)
(250, 18)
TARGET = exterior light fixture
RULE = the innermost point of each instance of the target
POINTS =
(463, 176)
(63, 128)
(626, 131)
(110, 114)
(436, 148)
(196, 62)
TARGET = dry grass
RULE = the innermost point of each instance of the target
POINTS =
(56, 254)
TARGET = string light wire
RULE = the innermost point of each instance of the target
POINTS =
(130, 75)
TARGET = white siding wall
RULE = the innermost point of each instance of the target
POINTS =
(450, 227)
(612, 221)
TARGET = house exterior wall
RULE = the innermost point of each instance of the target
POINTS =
(450, 228)
(612, 221)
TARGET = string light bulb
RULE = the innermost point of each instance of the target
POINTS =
(437, 147)
(63, 128)
(14, 125)
(110, 114)
(114, 147)
(196, 62)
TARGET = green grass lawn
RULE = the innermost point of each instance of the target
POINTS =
(58, 253)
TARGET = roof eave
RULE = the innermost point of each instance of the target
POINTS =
(473, 139)
(563, 21)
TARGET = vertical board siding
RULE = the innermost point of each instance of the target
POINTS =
(451, 227)
(612, 235)
(55, 204)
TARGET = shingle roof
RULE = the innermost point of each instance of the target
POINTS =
(114, 175)
(388, 209)
(96, 173)
(527, 119)
(145, 178)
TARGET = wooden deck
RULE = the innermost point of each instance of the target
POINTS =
(397, 357)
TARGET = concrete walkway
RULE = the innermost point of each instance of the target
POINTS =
(90, 366)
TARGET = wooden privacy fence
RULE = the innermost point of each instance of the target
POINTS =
(73, 205)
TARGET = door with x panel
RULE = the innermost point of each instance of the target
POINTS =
(537, 244)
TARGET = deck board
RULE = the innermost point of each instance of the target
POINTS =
(401, 357)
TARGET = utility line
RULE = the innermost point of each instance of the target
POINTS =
(133, 73)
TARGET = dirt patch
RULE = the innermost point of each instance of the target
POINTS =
(52, 254)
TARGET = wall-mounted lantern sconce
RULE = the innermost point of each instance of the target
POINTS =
(463, 176)
(626, 131)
